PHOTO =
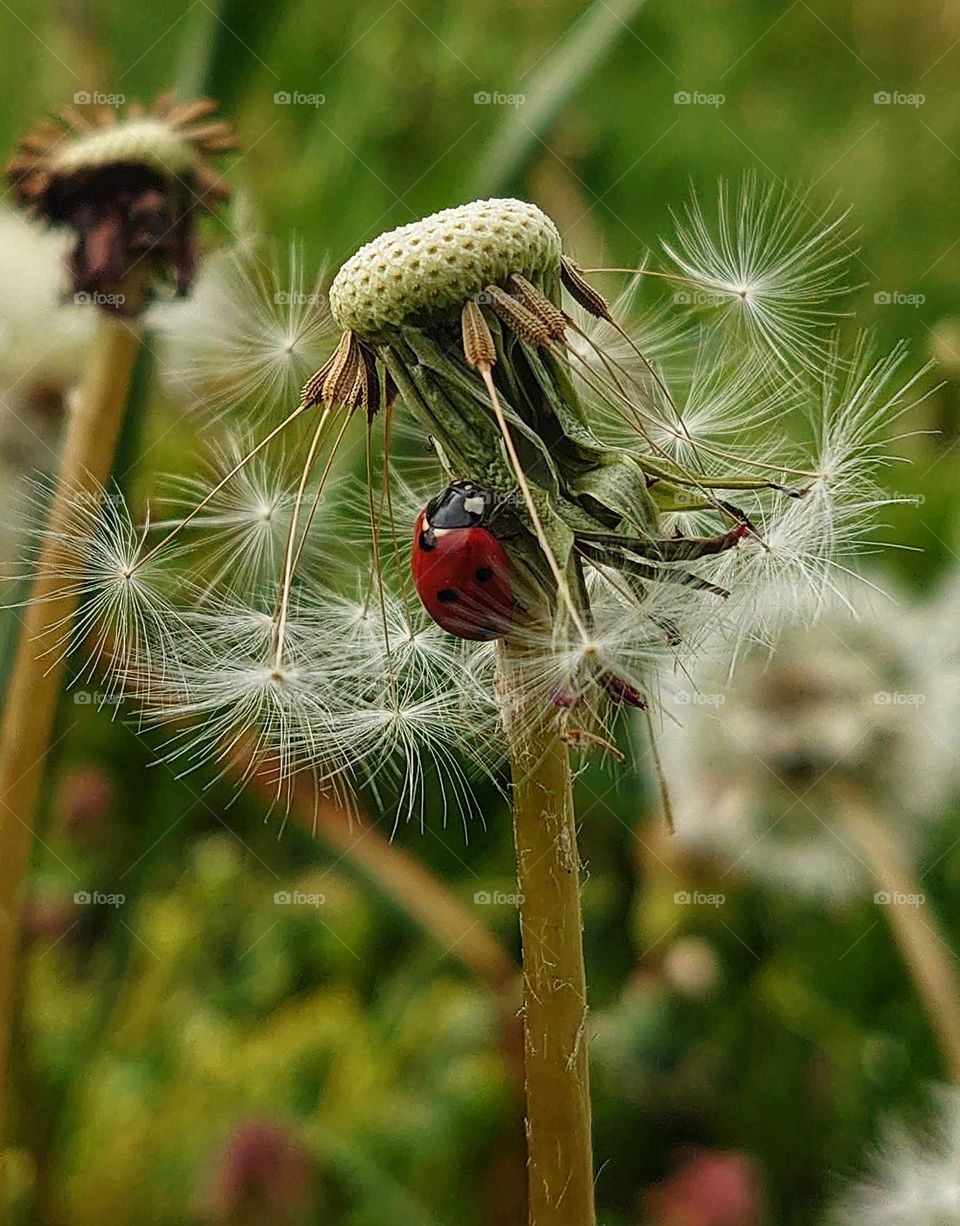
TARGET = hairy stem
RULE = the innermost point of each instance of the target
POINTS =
(93, 426)
(559, 1150)
(929, 959)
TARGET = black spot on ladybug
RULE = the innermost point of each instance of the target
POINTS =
(427, 540)
(448, 596)
(484, 574)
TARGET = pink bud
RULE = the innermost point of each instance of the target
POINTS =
(262, 1174)
(85, 797)
(708, 1188)
(48, 915)
(622, 691)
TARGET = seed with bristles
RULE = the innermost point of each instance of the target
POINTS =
(478, 346)
(367, 386)
(582, 292)
(538, 304)
(529, 327)
(334, 382)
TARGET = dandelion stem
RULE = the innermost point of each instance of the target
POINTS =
(93, 428)
(929, 958)
(559, 1150)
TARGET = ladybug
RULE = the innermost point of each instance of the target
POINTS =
(460, 569)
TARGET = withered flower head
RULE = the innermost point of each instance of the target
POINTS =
(130, 188)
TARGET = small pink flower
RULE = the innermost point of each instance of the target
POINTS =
(84, 799)
(262, 1174)
(708, 1188)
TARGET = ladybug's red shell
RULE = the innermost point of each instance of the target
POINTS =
(462, 573)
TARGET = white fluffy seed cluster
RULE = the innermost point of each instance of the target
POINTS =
(147, 142)
(438, 263)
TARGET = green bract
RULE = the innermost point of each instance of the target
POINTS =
(435, 265)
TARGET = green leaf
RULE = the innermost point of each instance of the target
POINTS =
(559, 74)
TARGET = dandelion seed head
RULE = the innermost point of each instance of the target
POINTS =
(914, 1175)
(761, 736)
(695, 502)
(250, 333)
(440, 262)
(771, 258)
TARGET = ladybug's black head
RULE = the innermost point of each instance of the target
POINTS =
(463, 504)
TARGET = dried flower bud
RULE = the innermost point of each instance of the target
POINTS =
(129, 189)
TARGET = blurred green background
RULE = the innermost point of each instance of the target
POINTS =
(199, 1052)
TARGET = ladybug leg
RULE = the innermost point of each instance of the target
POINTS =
(502, 509)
